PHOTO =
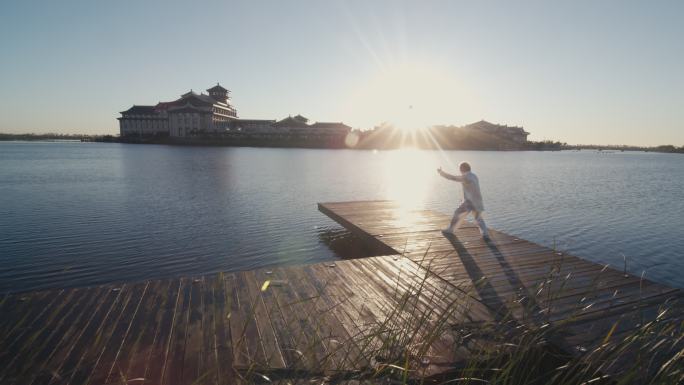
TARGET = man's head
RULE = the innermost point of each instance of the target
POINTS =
(464, 167)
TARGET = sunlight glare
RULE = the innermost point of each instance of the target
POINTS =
(411, 96)
(408, 174)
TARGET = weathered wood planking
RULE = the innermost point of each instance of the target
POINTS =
(319, 318)
(215, 329)
(513, 277)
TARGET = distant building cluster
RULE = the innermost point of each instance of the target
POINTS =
(213, 114)
(211, 118)
(512, 133)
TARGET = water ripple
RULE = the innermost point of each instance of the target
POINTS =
(76, 214)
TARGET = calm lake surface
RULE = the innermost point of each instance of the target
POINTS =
(74, 214)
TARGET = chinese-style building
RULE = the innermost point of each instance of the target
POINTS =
(513, 133)
(212, 114)
(191, 114)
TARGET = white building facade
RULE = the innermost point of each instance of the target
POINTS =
(190, 115)
(213, 114)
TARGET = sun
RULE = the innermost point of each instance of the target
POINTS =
(409, 97)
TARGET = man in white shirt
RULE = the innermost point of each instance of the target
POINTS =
(472, 200)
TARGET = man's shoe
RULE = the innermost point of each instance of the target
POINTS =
(486, 238)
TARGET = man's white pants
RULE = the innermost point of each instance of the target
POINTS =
(462, 212)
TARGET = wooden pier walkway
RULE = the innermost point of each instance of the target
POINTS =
(325, 318)
(513, 277)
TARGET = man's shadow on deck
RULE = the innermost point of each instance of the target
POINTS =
(499, 307)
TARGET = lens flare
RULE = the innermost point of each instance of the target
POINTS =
(407, 173)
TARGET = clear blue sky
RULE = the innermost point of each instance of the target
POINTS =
(576, 71)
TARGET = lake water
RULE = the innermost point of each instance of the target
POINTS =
(75, 214)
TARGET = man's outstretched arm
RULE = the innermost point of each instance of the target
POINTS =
(446, 175)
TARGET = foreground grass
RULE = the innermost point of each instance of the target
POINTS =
(525, 348)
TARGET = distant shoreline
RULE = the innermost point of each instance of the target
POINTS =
(298, 143)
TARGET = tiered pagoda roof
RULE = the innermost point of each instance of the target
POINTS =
(140, 110)
(217, 88)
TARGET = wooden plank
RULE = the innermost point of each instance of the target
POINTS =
(38, 370)
(338, 341)
(438, 294)
(457, 267)
(238, 313)
(521, 277)
(273, 357)
(247, 349)
(20, 311)
(139, 331)
(337, 303)
(424, 311)
(283, 334)
(364, 205)
(327, 280)
(53, 357)
(366, 294)
(104, 370)
(395, 317)
(224, 350)
(172, 372)
(527, 280)
(147, 326)
(395, 286)
(607, 302)
(165, 322)
(507, 261)
(194, 338)
(99, 337)
(585, 330)
(127, 340)
(219, 329)
(130, 335)
(68, 362)
(511, 250)
(24, 362)
(207, 370)
(21, 332)
(427, 313)
(351, 227)
(316, 326)
(295, 322)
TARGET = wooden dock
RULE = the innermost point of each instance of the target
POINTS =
(586, 297)
(328, 318)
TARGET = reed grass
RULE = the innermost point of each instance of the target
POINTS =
(524, 346)
(428, 335)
